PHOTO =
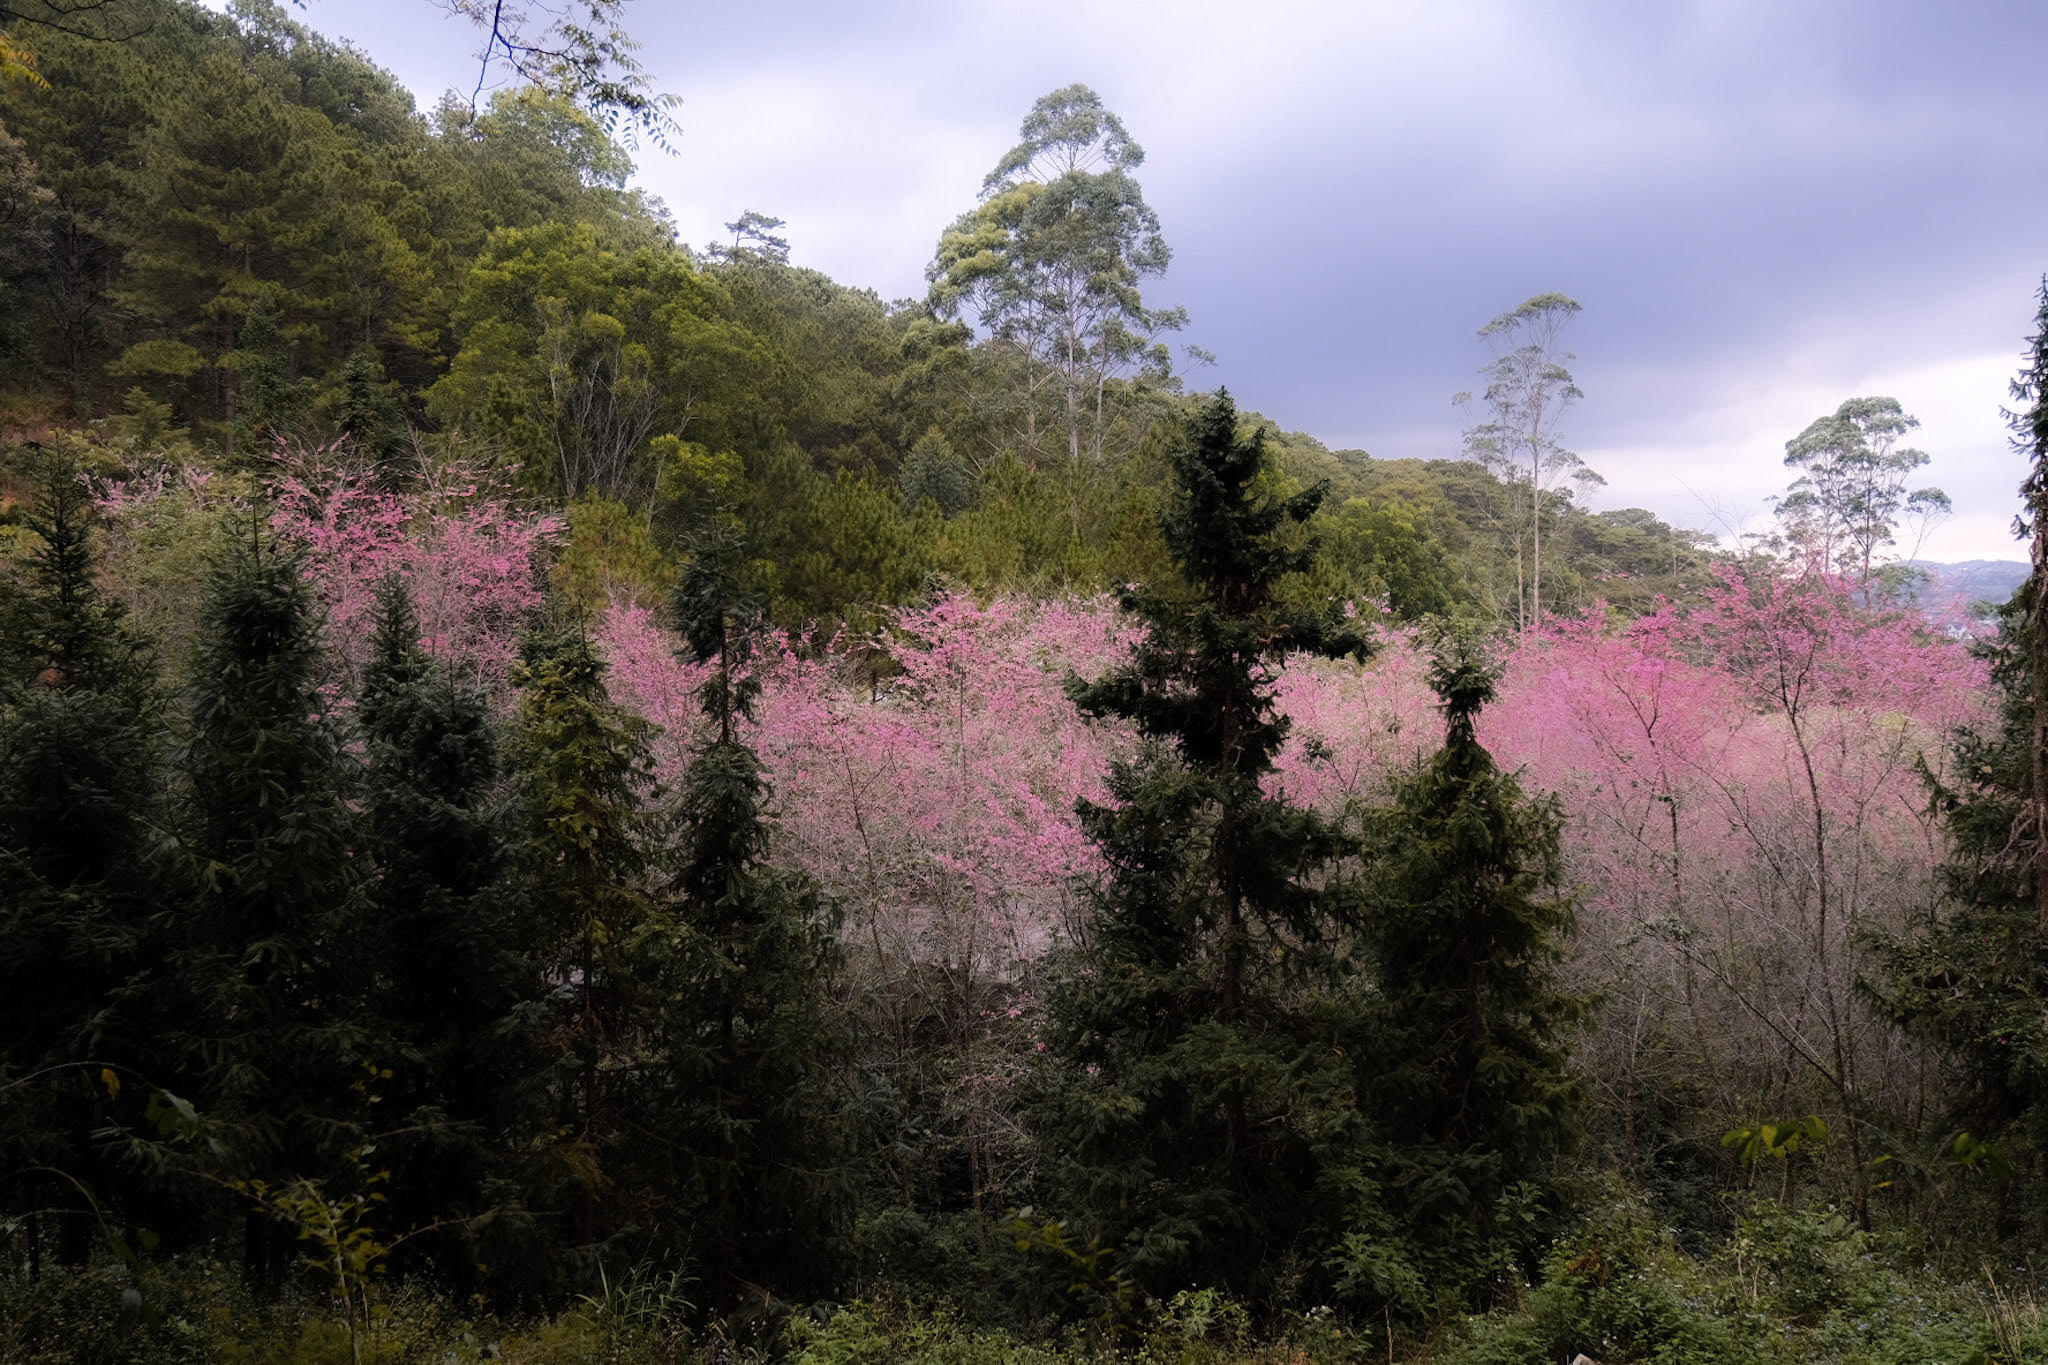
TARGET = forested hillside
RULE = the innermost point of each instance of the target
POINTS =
(570, 796)
(226, 234)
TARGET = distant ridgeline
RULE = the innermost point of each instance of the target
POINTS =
(1956, 589)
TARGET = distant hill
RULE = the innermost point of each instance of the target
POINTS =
(1952, 588)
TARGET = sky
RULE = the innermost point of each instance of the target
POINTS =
(1764, 208)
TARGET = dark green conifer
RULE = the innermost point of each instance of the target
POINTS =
(79, 776)
(1975, 980)
(267, 397)
(1465, 924)
(932, 471)
(750, 1133)
(1200, 1094)
(455, 992)
(269, 964)
(368, 415)
(581, 768)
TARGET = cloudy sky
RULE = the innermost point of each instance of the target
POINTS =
(1764, 208)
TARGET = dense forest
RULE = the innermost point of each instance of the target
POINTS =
(566, 796)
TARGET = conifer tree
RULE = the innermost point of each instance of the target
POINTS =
(455, 997)
(1975, 982)
(269, 964)
(266, 396)
(368, 414)
(744, 963)
(1469, 1082)
(1198, 1096)
(79, 771)
(2030, 440)
(582, 772)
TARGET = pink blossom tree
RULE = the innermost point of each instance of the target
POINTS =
(466, 545)
(1742, 780)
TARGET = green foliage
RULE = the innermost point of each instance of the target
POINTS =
(581, 768)
(364, 411)
(1053, 531)
(266, 961)
(830, 377)
(866, 1334)
(1470, 1085)
(577, 348)
(1386, 549)
(1198, 1093)
(933, 472)
(1614, 1290)
(611, 556)
(80, 782)
(832, 549)
(753, 1156)
(1973, 981)
(267, 398)
(454, 1004)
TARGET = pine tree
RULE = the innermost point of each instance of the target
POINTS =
(368, 414)
(455, 1000)
(269, 965)
(2030, 439)
(1199, 1095)
(744, 965)
(1975, 982)
(581, 768)
(932, 471)
(267, 398)
(1469, 1082)
(79, 774)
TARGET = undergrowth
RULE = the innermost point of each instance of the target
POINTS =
(1791, 1285)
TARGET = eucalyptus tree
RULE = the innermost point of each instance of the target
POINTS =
(1852, 486)
(1528, 391)
(1052, 262)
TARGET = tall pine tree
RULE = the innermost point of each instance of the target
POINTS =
(1975, 981)
(748, 1124)
(1200, 1092)
(79, 871)
(1469, 1080)
(269, 964)
(456, 1001)
(581, 767)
